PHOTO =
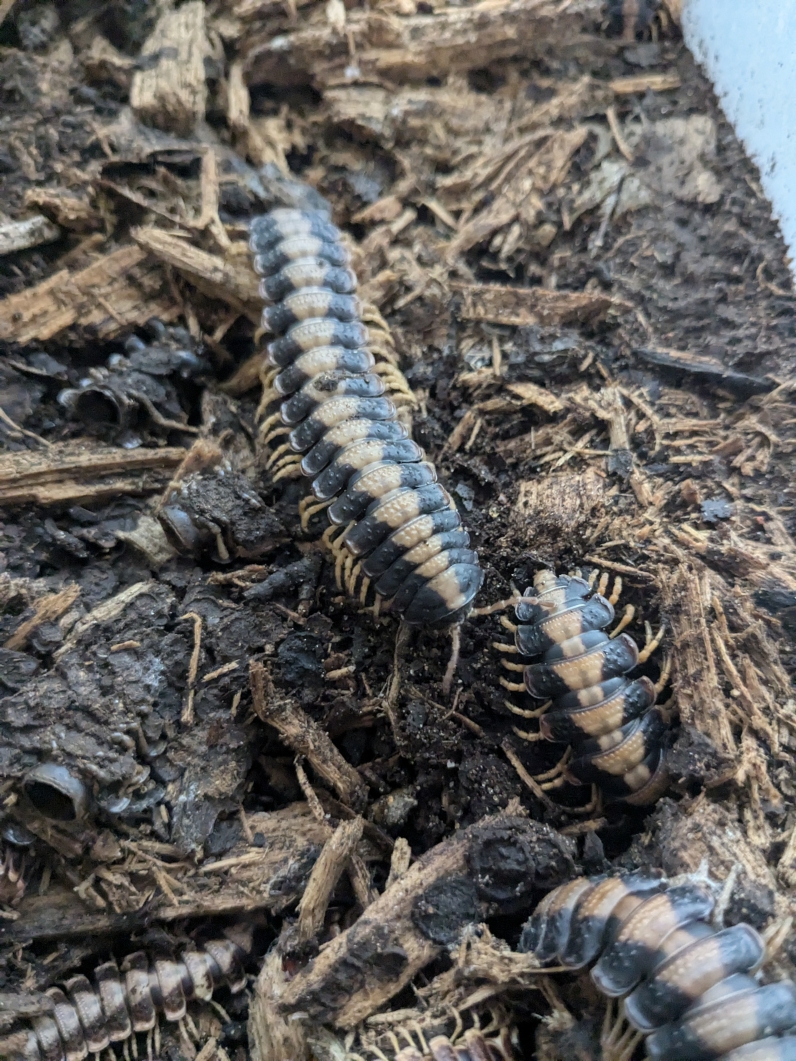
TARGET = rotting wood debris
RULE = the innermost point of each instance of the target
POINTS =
(589, 299)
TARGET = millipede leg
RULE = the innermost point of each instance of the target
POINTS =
(508, 624)
(626, 620)
(453, 662)
(501, 646)
(274, 420)
(526, 735)
(278, 453)
(663, 678)
(616, 592)
(650, 643)
(500, 606)
(557, 770)
(309, 507)
(525, 712)
(518, 667)
(363, 593)
(602, 585)
(288, 468)
(513, 687)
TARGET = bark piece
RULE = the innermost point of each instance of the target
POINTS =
(490, 866)
(121, 290)
(20, 235)
(82, 471)
(686, 597)
(271, 877)
(170, 92)
(559, 508)
(417, 46)
(534, 305)
(325, 874)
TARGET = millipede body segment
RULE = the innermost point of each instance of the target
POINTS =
(610, 721)
(392, 525)
(125, 1000)
(685, 985)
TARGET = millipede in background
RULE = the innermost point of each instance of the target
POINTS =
(687, 987)
(492, 1043)
(127, 1000)
(610, 722)
(392, 526)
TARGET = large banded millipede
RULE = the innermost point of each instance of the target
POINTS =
(610, 722)
(126, 1000)
(687, 987)
(392, 527)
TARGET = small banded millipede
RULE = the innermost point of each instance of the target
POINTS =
(493, 1043)
(393, 527)
(126, 1000)
(688, 987)
(609, 721)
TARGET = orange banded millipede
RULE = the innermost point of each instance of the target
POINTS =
(610, 721)
(687, 987)
(393, 527)
(126, 1000)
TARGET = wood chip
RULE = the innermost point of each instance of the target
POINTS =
(81, 471)
(232, 280)
(118, 291)
(531, 394)
(170, 92)
(20, 235)
(306, 738)
(522, 306)
(45, 610)
(627, 86)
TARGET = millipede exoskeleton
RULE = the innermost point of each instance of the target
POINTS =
(127, 999)
(686, 986)
(393, 527)
(610, 722)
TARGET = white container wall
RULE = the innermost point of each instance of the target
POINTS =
(748, 49)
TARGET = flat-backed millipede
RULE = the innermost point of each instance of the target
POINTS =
(686, 986)
(475, 1044)
(610, 722)
(126, 1000)
(393, 527)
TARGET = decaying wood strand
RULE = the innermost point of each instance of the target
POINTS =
(487, 866)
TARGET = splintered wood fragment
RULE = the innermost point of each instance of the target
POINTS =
(46, 610)
(627, 86)
(686, 600)
(19, 235)
(387, 46)
(273, 1035)
(306, 738)
(70, 211)
(324, 877)
(233, 281)
(118, 291)
(82, 471)
(534, 305)
(531, 394)
(170, 91)
(486, 867)
(271, 877)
